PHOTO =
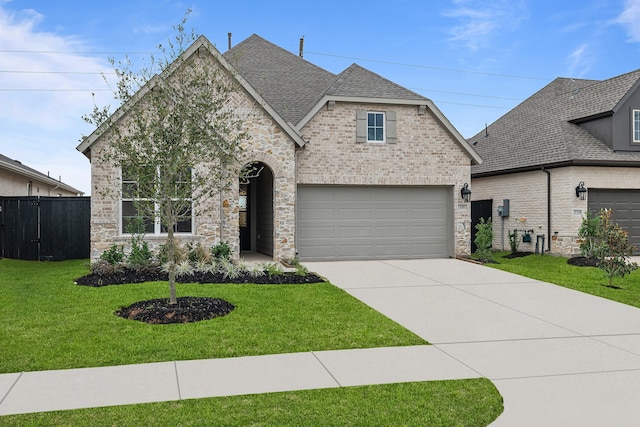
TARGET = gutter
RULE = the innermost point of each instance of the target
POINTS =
(548, 208)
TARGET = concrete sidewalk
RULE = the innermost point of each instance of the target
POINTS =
(155, 382)
(557, 356)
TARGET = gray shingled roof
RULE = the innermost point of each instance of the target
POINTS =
(293, 86)
(359, 82)
(539, 132)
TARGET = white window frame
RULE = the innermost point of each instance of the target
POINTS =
(157, 224)
(635, 125)
(384, 127)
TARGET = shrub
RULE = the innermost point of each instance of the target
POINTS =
(197, 253)
(222, 250)
(588, 233)
(105, 268)
(484, 240)
(272, 269)
(513, 241)
(228, 269)
(140, 256)
(613, 248)
(114, 255)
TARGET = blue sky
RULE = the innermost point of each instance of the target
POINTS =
(476, 59)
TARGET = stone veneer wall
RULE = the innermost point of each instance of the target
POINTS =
(425, 155)
(268, 144)
(527, 192)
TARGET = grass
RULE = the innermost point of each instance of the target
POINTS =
(590, 280)
(473, 402)
(50, 323)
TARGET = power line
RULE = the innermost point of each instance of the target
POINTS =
(429, 67)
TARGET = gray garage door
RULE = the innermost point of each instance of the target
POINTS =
(626, 209)
(365, 222)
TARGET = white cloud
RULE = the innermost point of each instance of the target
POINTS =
(630, 19)
(43, 96)
(580, 61)
(480, 20)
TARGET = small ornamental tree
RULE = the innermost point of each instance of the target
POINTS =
(613, 248)
(484, 240)
(176, 138)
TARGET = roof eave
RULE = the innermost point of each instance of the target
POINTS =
(201, 42)
(39, 177)
(602, 163)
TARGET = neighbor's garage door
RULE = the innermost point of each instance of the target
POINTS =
(367, 222)
(626, 209)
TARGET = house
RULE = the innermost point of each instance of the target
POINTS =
(17, 180)
(572, 147)
(347, 166)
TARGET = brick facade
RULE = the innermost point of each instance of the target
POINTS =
(424, 155)
(527, 192)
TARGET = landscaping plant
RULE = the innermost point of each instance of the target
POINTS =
(588, 233)
(484, 240)
(513, 241)
(613, 249)
(178, 144)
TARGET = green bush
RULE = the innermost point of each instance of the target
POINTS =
(221, 251)
(484, 240)
(513, 241)
(197, 253)
(114, 255)
(588, 233)
(613, 248)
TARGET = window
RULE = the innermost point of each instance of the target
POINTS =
(375, 127)
(636, 125)
(135, 194)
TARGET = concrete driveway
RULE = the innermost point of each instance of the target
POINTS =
(557, 356)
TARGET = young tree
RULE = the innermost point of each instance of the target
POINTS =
(484, 240)
(613, 248)
(177, 140)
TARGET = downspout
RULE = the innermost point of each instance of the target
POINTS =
(548, 208)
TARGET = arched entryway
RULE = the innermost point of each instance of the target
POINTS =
(256, 209)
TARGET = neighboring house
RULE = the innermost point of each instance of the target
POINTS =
(569, 134)
(349, 166)
(17, 179)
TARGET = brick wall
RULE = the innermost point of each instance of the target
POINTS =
(528, 200)
(424, 155)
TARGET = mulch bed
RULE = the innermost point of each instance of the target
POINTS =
(517, 255)
(187, 309)
(581, 261)
(132, 276)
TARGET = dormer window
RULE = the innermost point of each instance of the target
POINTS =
(636, 125)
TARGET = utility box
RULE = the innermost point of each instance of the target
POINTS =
(503, 210)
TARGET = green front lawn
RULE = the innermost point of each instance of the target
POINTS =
(50, 323)
(473, 402)
(590, 280)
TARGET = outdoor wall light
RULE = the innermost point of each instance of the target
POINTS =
(466, 193)
(581, 192)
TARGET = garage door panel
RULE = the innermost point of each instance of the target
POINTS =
(626, 209)
(373, 222)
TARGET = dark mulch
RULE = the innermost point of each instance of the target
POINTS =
(581, 261)
(132, 276)
(187, 309)
(517, 255)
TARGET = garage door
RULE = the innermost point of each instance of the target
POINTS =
(366, 222)
(626, 209)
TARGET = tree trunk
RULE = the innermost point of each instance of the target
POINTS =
(173, 299)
